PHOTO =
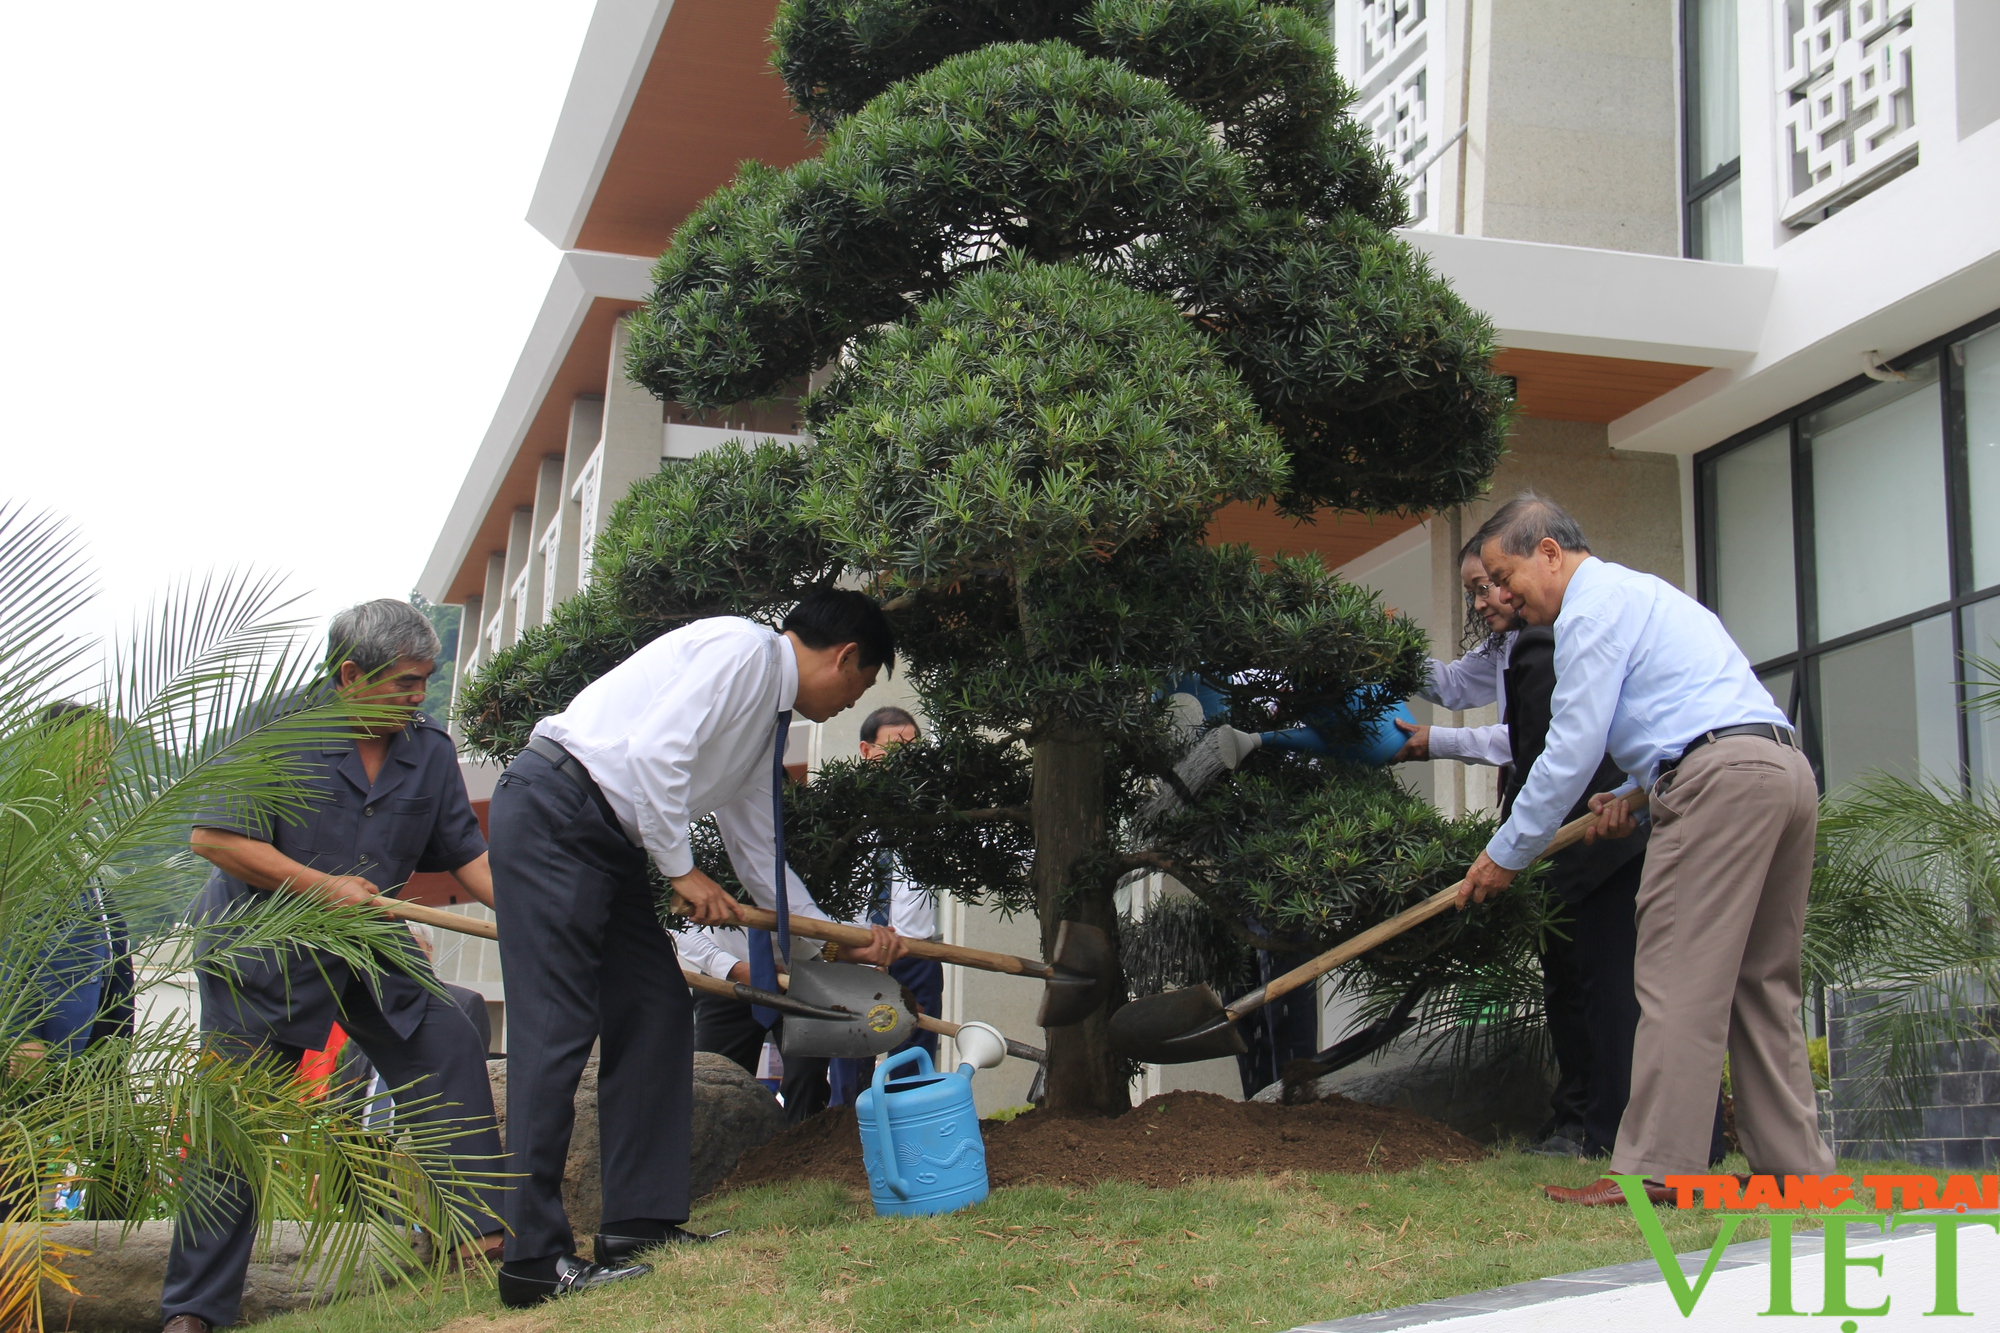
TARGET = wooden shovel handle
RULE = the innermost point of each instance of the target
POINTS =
(700, 981)
(813, 928)
(432, 916)
(1443, 900)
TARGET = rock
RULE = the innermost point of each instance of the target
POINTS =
(1499, 1095)
(733, 1113)
(120, 1278)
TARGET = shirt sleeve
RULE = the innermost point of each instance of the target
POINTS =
(1591, 658)
(1472, 681)
(455, 839)
(667, 740)
(703, 950)
(1473, 745)
(746, 829)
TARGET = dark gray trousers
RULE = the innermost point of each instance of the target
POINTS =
(728, 1028)
(443, 1058)
(585, 958)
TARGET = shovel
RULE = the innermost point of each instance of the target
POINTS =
(1075, 984)
(1192, 1024)
(801, 1007)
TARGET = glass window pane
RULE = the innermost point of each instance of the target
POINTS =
(1779, 683)
(1982, 420)
(1712, 121)
(1982, 640)
(1717, 223)
(1754, 590)
(1878, 504)
(1887, 706)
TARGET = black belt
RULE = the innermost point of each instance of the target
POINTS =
(567, 764)
(1770, 731)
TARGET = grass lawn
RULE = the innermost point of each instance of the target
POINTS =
(1263, 1253)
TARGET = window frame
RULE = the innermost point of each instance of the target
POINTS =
(1804, 659)
(1696, 191)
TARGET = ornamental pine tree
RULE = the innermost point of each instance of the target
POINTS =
(1070, 278)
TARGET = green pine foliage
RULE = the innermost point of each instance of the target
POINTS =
(1069, 278)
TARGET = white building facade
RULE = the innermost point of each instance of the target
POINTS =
(1741, 256)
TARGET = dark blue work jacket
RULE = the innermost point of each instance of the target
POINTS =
(415, 817)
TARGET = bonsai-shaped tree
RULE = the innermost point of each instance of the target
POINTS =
(1072, 278)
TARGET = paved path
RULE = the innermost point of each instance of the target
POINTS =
(1633, 1298)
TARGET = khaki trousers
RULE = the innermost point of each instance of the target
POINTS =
(1721, 917)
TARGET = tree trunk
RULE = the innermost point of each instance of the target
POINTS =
(1083, 1072)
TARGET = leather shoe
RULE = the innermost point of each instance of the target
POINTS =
(185, 1323)
(572, 1275)
(621, 1249)
(1604, 1194)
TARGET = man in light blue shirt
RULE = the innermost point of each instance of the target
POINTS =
(1650, 676)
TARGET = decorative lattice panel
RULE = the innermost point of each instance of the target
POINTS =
(1387, 52)
(1847, 118)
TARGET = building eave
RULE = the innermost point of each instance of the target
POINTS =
(582, 279)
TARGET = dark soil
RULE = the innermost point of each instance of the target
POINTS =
(1172, 1138)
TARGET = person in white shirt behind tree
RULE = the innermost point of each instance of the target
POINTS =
(692, 724)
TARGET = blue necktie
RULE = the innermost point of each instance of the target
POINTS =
(763, 967)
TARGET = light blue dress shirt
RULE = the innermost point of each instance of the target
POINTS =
(1641, 670)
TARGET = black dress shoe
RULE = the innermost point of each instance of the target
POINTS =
(620, 1249)
(572, 1274)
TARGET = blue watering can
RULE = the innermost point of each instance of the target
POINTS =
(920, 1140)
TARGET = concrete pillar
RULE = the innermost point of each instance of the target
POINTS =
(468, 656)
(520, 546)
(545, 528)
(586, 427)
(491, 604)
(634, 434)
(1574, 110)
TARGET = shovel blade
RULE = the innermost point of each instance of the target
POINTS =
(1083, 965)
(883, 1021)
(1176, 1028)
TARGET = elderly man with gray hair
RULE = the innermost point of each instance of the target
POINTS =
(392, 803)
(1649, 675)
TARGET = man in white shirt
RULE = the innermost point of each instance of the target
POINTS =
(1648, 674)
(690, 725)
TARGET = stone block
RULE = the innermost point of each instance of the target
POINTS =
(120, 1278)
(733, 1113)
(1966, 1154)
(1943, 1122)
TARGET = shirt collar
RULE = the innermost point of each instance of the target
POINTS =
(788, 674)
(1580, 581)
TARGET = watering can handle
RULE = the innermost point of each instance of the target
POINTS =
(885, 1142)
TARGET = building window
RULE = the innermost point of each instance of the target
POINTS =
(1710, 100)
(1850, 549)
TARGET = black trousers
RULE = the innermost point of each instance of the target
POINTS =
(728, 1028)
(586, 960)
(1593, 1012)
(443, 1058)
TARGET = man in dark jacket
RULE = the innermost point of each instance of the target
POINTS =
(391, 802)
(1587, 968)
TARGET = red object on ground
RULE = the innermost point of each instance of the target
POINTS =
(316, 1067)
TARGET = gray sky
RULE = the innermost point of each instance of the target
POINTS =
(266, 275)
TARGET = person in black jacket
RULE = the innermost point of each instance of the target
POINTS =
(1587, 960)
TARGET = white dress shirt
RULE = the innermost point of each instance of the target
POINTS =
(685, 727)
(1641, 670)
(1473, 681)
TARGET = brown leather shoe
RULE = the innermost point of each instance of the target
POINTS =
(1604, 1194)
(186, 1323)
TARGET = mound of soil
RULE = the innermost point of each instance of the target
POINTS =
(1175, 1137)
